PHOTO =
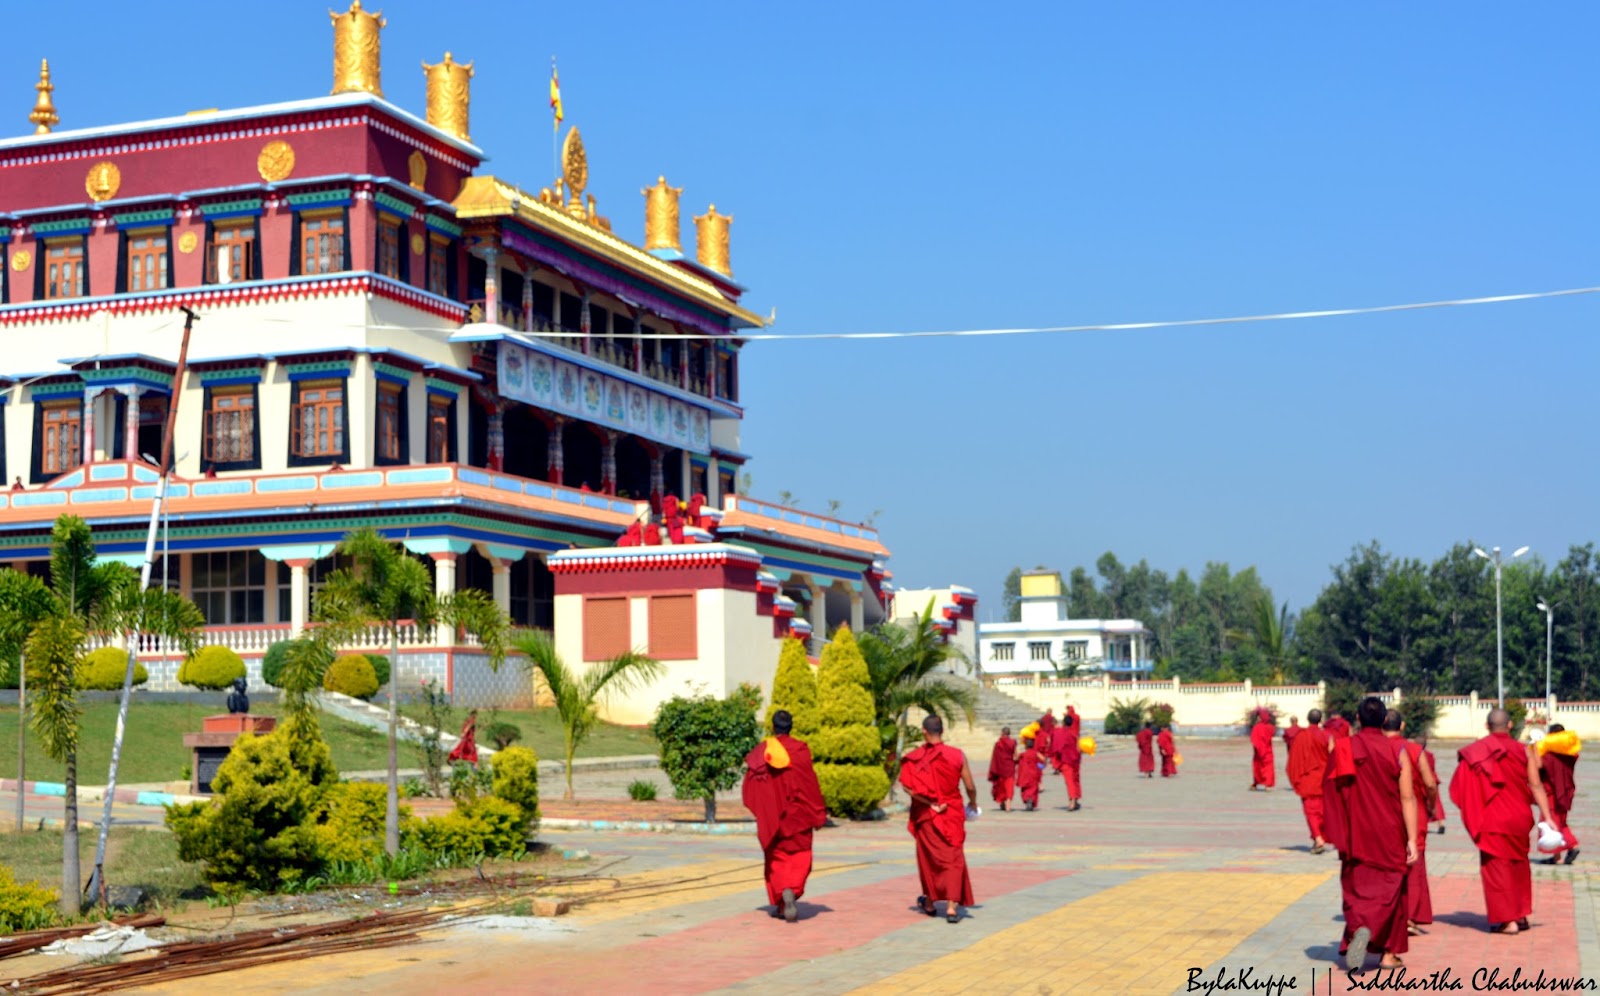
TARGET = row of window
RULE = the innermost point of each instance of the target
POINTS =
(1039, 650)
(231, 255)
(608, 628)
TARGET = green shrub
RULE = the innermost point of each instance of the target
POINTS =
(352, 675)
(502, 734)
(212, 669)
(748, 693)
(350, 823)
(1420, 713)
(489, 826)
(380, 667)
(103, 670)
(24, 905)
(847, 740)
(640, 790)
(272, 662)
(703, 743)
(515, 778)
(1341, 699)
(1161, 714)
(1519, 713)
(1125, 716)
(794, 688)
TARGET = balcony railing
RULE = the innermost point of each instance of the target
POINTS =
(253, 640)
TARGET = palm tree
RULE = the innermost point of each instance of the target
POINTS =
(902, 662)
(577, 695)
(1270, 634)
(83, 597)
(382, 586)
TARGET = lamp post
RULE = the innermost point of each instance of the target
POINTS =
(1549, 610)
(1499, 625)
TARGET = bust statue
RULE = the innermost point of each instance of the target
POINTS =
(238, 701)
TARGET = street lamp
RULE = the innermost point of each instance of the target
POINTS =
(1549, 610)
(1499, 626)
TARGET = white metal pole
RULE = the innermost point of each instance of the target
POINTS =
(1549, 646)
(1499, 636)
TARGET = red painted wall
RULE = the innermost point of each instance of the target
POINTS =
(649, 581)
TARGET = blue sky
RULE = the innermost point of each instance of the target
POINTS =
(903, 166)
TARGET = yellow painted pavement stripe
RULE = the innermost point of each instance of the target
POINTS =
(1103, 943)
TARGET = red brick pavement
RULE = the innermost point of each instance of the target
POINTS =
(1459, 936)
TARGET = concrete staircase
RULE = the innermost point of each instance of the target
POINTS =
(995, 710)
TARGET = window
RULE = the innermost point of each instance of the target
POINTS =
(321, 243)
(318, 427)
(147, 261)
(391, 423)
(441, 441)
(439, 266)
(1075, 650)
(230, 587)
(533, 592)
(727, 376)
(1002, 651)
(232, 253)
(606, 630)
(64, 268)
(230, 428)
(672, 627)
(1038, 650)
(727, 484)
(316, 574)
(61, 437)
(389, 248)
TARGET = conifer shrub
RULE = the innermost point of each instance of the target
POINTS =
(380, 667)
(489, 826)
(24, 905)
(103, 670)
(213, 669)
(272, 662)
(516, 780)
(794, 688)
(846, 744)
(352, 675)
(349, 826)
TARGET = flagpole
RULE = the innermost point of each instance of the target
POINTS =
(555, 129)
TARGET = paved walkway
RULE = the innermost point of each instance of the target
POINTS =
(1152, 884)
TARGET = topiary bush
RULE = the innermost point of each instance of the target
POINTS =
(502, 734)
(794, 688)
(103, 670)
(273, 660)
(24, 905)
(350, 821)
(703, 744)
(352, 675)
(515, 779)
(489, 826)
(213, 668)
(380, 667)
(846, 743)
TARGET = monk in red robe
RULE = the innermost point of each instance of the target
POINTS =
(1291, 731)
(1336, 726)
(1003, 769)
(1495, 783)
(1371, 818)
(1030, 775)
(1047, 728)
(1146, 739)
(1425, 788)
(1558, 764)
(1261, 736)
(1169, 751)
(1069, 758)
(780, 788)
(1308, 767)
(934, 775)
(466, 748)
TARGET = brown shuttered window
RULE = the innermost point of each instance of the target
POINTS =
(605, 628)
(672, 628)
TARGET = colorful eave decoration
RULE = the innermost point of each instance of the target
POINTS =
(645, 558)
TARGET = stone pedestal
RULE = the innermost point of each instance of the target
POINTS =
(210, 747)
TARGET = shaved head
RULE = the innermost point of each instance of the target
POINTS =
(1371, 712)
(1314, 717)
(1499, 721)
(1392, 723)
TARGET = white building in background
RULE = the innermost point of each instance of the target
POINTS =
(1045, 639)
(954, 609)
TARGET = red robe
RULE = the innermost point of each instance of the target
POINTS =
(1168, 749)
(1003, 770)
(1366, 824)
(1419, 898)
(467, 749)
(1556, 771)
(1069, 758)
(787, 803)
(1490, 787)
(1147, 757)
(1437, 815)
(1308, 767)
(934, 771)
(1030, 773)
(1261, 736)
(1047, 727)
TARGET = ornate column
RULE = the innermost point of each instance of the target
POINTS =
(658, 480)
(497, 438)
(638, 344)
(857, 612)
(608, 463)
(555, 463)
(91, 401)
(299, 596)
(491, 285)
(444, 585)
(130, 426)
(502, 583)
(527, 300)
(819, 617)
(583, 323)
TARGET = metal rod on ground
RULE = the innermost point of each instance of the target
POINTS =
(97, 881)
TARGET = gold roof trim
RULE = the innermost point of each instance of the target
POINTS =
(488, 197)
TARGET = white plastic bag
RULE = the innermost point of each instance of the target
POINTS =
(1550, 839)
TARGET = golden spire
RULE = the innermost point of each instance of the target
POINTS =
(449, 95)
(711, 240)
(661, 216)
(355, 50)
(575, 170)
(44, 114)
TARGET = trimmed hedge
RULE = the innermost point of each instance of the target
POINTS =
(380, 667)
(212, 669)
(352, 675)
(272, 662)
(103, 670)
(794, 688)
(847, 743)
(516, 780)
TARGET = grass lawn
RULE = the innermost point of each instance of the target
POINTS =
(133, 857)
(541, 730)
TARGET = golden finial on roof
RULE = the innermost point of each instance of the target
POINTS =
(711, 240)
(355, 50)
(661, 216)
(449, 94)
(574, 170)
(44, 116)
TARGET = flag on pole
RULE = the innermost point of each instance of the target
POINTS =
(555, 94)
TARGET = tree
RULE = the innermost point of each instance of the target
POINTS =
(794, 688)
(846, 745)
(382, 586)
(703, 745)
(1271, 637)
(54, 623)
(576, 695)
(1011, 596)
(903, 665)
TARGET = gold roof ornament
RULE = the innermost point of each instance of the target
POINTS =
(449, 95)
(356, 50)
(661, 216)
(44, 116)
(711, 240)
(575, 170)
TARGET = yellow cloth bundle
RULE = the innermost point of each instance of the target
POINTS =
(777, 757)
(1086, 745)
(1030, 731)
(1565, 742)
